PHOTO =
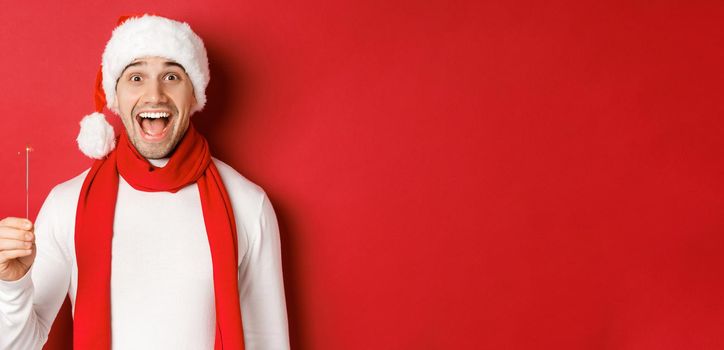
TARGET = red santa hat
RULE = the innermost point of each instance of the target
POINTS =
(136, 37)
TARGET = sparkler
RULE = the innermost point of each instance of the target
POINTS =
(28, 149)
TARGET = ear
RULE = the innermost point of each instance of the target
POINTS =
(114, 105)
(194, 102)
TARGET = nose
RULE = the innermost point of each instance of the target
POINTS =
(154, 93)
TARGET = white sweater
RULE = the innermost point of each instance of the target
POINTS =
(162, 292)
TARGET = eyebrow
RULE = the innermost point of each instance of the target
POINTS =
(143, 63)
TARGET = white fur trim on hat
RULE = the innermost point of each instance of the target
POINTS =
(96, 138)
(148, 36)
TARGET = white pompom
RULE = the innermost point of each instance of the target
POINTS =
(97, 137)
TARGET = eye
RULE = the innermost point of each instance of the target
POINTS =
(135, 78)
(172, 76)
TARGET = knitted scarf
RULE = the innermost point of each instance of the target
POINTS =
(189, 163)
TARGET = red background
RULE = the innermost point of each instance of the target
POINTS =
(447, 174)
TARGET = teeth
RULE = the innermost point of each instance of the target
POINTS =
(154, 115)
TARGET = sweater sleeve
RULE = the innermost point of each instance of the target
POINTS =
(29, 305)
(261, 286)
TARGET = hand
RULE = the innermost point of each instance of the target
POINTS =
(17, 248)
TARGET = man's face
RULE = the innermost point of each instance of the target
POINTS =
(154, 98)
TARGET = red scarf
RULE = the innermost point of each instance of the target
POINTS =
(189, 163)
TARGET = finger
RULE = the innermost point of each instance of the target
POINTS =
(12, 244)
(13, 233)
(19, 223)
(6, 255)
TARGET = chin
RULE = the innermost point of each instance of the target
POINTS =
(154, 151)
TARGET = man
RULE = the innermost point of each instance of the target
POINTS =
(159, 245)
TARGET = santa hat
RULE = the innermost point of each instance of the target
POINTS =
(136, 37)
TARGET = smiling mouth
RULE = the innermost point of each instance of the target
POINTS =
(154, 124)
